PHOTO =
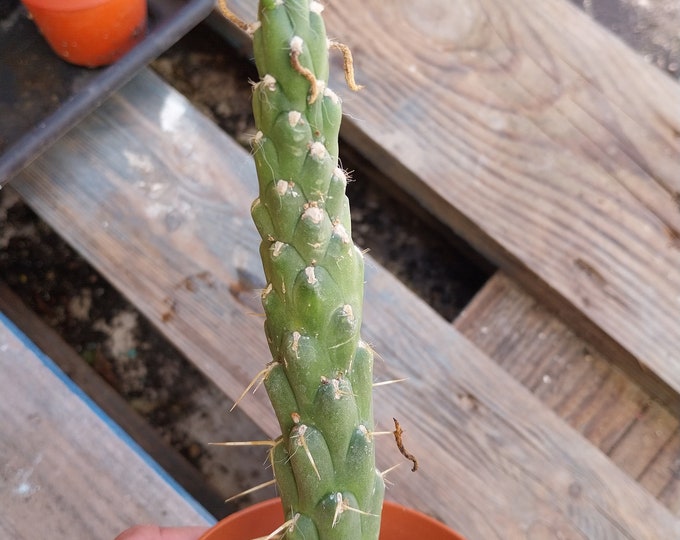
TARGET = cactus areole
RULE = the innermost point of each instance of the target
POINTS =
(320, 377)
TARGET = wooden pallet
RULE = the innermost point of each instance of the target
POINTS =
(538, 413)
(515, 128)
(109, 403)
(583, 387)
(67, 470)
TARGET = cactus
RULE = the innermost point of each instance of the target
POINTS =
(320, 378)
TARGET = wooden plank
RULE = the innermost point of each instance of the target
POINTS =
(157, 198)
(525, 131)
(113, 405)
(656, 480)
(581, 386)
(67, 471)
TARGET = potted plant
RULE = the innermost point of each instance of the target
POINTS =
(320, 377)
(90, 33)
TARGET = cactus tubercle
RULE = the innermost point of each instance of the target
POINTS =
(319, 379)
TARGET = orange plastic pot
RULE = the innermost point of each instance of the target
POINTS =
(90, 33)
(259, 520)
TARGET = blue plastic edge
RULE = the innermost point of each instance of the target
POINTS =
(108, 421)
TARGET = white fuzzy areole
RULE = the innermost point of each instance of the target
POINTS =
(296, 44)
(348, 312)
(339, 174)
(331, 95)
(257, 139)
(320, 86)
(317, 150)
(294, 118)
(269, 82)
(295, 346)
(301, 430)
(341, 232)
(311, 275)
(282, 187)
(277, 248)
(313, 213)
(339, 508)
(364, 431)
(337, 393)
(316, 7)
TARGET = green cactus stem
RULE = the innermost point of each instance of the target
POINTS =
(320, 379)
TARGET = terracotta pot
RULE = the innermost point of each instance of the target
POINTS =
(259, 520)
(90, 33)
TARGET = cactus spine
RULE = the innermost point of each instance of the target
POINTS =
(320, 378)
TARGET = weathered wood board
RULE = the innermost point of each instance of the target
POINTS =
(580, 385)
(545, 142)
(111, 402)
(157, 199)
(66, 471)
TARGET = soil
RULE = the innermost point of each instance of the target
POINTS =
(126, 350)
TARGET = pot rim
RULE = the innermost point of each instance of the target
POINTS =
(391, 511)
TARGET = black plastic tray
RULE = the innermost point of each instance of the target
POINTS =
(41, 96)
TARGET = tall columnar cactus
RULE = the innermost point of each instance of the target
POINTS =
(320, 379)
